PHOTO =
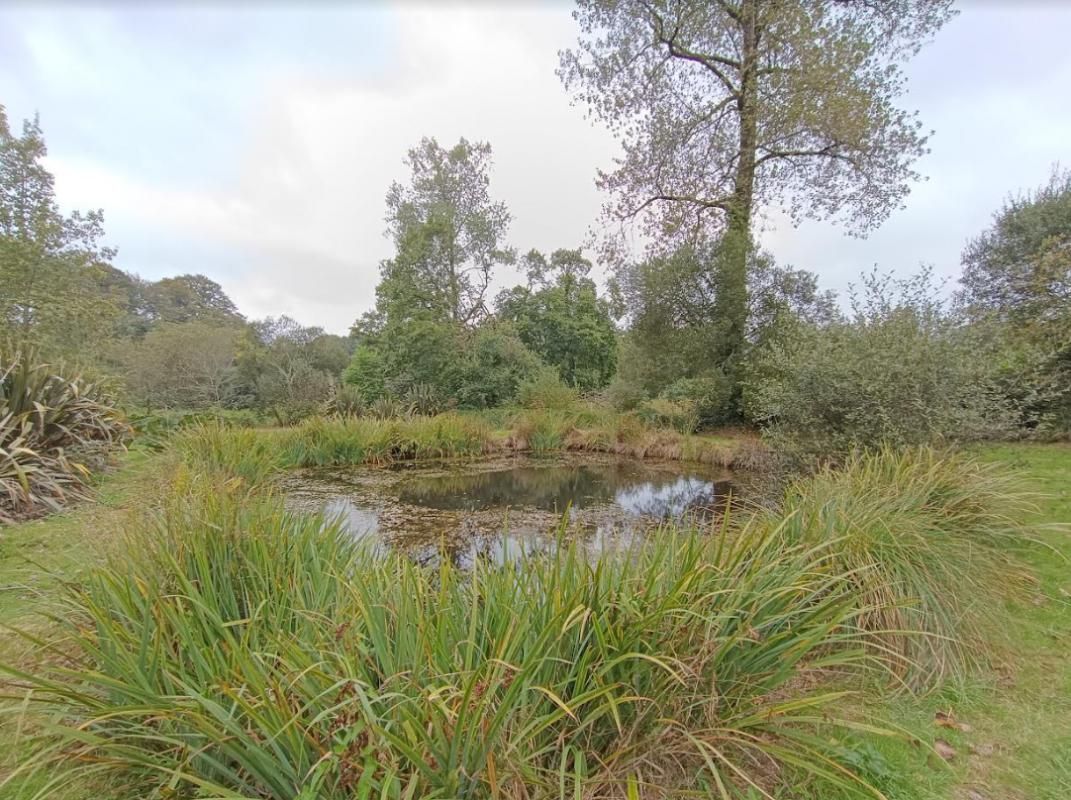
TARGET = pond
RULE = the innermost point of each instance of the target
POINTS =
(501, 508)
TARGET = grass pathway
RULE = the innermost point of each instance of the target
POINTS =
(36, 555)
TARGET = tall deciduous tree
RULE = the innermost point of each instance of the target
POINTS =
(1017, 285)
(561, 318)
(448, 231)
(190, 298)
(724, 106)
(1020, 268)
(53, 270)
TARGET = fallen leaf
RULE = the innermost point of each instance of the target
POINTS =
(944, 749)
(946, 719)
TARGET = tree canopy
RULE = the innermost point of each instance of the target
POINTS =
(722, 107)
(54, 275)
(1020, 268)
(448, 232)
(561, 318)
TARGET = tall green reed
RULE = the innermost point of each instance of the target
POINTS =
(928, 538)
(246, 652)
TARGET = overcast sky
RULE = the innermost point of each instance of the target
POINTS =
(256, 146)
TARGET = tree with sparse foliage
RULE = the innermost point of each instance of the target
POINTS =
(448, 232)
(431, 332)
(187, 365)
(725, 108)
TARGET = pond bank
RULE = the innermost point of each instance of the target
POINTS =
(1017, 745)
(253, 454)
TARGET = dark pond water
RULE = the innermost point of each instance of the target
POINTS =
(501, 508)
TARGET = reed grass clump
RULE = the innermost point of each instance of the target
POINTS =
(247, 652)
(338, 442)
(928, 538)
(227, 453)
(348, 440)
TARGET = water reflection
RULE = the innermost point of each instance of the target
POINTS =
(673, 500)
(637, 489)
(361, 522)
(500, 510)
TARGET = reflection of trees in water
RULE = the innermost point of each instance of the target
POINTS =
(672, 500)
(492, 550)
(466, 517)
(556, 487)
(551, 488)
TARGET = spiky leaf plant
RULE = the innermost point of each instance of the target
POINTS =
(245, 652)
(928, 537)
(54, 424)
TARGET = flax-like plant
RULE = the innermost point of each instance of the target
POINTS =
(928, 537)
(53, 425)
(236, 650)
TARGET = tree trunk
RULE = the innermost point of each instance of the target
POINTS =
(732, 297)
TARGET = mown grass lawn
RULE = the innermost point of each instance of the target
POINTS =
(1012, 739)
(1011, 726)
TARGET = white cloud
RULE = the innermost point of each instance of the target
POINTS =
(304, 205)
(266, 167)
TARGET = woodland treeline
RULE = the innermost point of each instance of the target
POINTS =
(696, 328)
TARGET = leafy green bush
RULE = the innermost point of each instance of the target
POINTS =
(680, 415)
(233, 649)
(54, 427)
(1017, 283)
(365, 374)
(495, 365)
(925, 536)
(624, 394)
(546, 391)
(458, 366)
(901, 371)
(711, 393)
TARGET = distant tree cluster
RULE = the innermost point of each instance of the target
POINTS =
(177, 342)
(432, 333)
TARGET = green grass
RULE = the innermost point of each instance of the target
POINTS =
(1018, 742)
(249, 652)
(1017, 706)
(930, 539)
(36, 559)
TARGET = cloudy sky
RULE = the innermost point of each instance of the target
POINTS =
(256, 144)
